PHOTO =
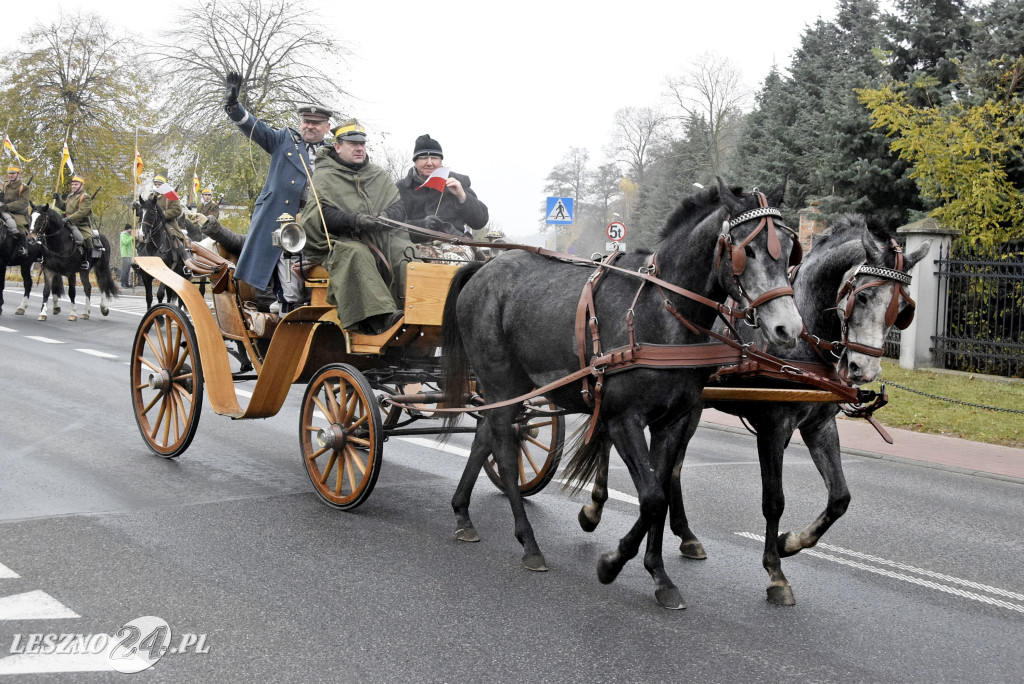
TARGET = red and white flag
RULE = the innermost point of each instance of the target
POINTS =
(437, 180)
(167, 191)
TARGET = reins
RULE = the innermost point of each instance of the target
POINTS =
(742, 359)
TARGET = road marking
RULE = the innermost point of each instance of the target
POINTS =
(93, 352)
(243, 392)
(910, 578)
(33, 605)
(7, 573)
(433, 444)
(45, 340)
(3, 329)
(36, 663)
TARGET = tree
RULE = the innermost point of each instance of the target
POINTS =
(77, 80)
(570, 178)
(277, 47)
(274, 44)
(712, 90)
(636, 131)
(959, 153)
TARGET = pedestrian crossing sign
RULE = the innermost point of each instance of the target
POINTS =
(559, 211)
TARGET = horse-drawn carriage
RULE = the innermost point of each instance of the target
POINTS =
(632, 351)
(354, 382)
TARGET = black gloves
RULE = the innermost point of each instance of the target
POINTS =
(437, 224)
(56, 197)
(232, 86)
(366, 223)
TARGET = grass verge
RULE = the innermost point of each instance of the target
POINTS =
(952, 414)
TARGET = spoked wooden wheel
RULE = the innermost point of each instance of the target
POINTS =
(540, 438)
(166, 380)
(341, 436)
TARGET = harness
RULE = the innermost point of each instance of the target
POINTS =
(742, 359)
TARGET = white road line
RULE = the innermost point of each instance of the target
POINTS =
(909, 578)
(243, 392)
(37, 663)
(3, 329)
(7, 573)
(433, 444)
(45, 340)
(33, 605)
(93, 352)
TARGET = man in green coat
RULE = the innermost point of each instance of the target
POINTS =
(366, 260)
(77, 208)
(15, 201)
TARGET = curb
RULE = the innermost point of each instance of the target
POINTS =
(883, 457)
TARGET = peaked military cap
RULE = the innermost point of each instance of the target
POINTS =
(315, 112)
(350, 130)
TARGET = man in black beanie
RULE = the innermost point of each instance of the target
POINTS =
(426, 207)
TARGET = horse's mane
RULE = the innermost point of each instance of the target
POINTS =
(850, 227)
(692, 209)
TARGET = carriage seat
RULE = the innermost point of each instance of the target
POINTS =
(317, 278)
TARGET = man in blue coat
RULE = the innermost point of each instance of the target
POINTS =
(291, 164)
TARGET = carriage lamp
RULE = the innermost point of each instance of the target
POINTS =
(288, 236)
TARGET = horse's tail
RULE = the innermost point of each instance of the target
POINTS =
(454, 360)
(586, 459)
(104, 277)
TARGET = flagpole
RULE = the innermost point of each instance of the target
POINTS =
(195, 177)
(135, 189)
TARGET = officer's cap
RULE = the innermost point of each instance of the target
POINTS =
(314, 112)
(79, 179)
(350, 130)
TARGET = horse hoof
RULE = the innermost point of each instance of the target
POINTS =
(693, 549)
(104, 310)
(535, 562)
(72, 317)
(467, 534)
(19, 312)
(606, 568)
(41, 317)
(670, 598)
(586, 523)
(85, 317)
(56, 310)
(781, 595)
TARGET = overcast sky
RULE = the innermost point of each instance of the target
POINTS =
(508, 88)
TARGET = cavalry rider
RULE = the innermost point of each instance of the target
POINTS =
(292, 157)
(209, 208)
(77, 208)
(17, 202)
(352, 193)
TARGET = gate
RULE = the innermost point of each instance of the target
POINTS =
(984, 316)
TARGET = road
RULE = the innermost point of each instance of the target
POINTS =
(921, 581)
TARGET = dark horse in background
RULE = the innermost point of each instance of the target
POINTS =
(63, 258)
(849, 291)
(9, 257)
(155, 240)
(512, 321)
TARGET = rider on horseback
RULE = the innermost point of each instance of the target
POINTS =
(17, 203)
(77, 208)
(171, 210)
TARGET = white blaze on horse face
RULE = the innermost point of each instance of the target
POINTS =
(780, 322)
(866, 326)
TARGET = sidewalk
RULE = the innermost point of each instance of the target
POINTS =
(859, 438)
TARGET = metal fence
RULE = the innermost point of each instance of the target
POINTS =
(984, 294)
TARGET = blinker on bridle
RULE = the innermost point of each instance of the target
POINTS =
(893, 315)
(738, 255)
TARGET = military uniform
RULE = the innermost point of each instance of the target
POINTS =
(171, 210)
(77, 208)
(15, 201)
(210, 209)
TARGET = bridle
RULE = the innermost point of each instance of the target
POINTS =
(738, 255)
(47, 232)
(902, 319)
(149, 232)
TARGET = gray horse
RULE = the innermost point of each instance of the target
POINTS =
(850, 292)
(513, 321)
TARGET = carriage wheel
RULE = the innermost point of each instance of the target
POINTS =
(341, 436)
(166, 380)
(540, 439)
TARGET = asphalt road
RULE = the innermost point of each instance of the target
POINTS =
(921, 581)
